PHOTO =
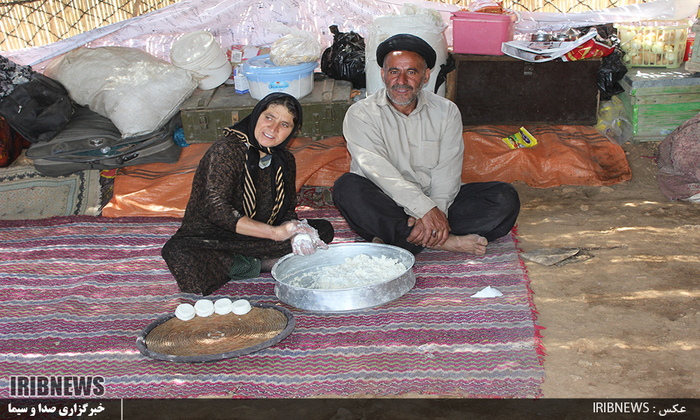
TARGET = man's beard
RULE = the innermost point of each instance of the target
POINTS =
(411, 98)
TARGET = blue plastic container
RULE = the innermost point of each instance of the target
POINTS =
(264, 77)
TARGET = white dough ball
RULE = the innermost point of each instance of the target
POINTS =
(241, 307)
(185, 311)
(222, 306)
(204, 308)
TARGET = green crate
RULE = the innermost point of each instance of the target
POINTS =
(207, 112)
(657, 101)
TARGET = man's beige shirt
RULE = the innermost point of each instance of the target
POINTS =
(415, 159)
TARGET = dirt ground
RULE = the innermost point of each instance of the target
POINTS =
(626, 322)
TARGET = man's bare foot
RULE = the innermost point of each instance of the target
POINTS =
(377, 240)
(471, 244)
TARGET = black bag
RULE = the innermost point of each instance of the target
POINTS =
(345, 59)
(91, 141)
(612, 70)
(37, 109)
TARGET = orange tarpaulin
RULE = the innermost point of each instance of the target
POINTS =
(564, 155)
(320, 163)
(162, 189)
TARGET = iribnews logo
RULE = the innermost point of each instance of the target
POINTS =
(56, 386)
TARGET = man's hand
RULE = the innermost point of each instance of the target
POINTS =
(431, 230)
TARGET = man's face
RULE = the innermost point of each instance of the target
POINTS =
(404, 73)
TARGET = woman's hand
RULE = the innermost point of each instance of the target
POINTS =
(306, 241)
(291, 228)
(249, 227)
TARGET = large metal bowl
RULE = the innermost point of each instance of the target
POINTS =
(338, 300)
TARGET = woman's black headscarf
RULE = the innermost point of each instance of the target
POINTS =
(246, 127)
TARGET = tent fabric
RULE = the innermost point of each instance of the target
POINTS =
(564, 155)
(245, 22)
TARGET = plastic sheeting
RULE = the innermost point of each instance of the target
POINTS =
(556, 22)
(235, 22)
(155, 189)
(231, 22)
(564, 155)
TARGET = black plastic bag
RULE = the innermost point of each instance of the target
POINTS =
(611, 71)
(37, 108)
(444, 70)
(345, 59)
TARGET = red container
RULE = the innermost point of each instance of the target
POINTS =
(481, 33)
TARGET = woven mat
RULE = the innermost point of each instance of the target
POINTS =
(27, 194)
(77, 291)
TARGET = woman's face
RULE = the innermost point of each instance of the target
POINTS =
(274, 125)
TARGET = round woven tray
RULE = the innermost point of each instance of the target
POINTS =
(215, 337)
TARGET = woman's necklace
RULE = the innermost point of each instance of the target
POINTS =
(265, 161)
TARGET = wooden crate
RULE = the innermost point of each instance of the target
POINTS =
(490, 89)
(658, 100)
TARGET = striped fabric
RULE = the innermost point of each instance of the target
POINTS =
(279, 197)
(78, 290)
(248, 194)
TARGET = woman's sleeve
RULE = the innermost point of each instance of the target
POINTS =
(290, 188)
(221, 173)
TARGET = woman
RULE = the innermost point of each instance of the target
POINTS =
(241, 216)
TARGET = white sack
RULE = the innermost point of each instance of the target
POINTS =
(137, 91)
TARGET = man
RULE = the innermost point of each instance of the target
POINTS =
(404, 185)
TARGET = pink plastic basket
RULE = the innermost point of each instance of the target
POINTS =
(481, 33)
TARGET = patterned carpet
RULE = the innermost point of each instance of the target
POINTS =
(76, 291)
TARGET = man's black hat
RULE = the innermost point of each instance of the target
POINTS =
(406, 42)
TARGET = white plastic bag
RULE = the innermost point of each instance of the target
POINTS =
(295, 47)
(613, 122)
